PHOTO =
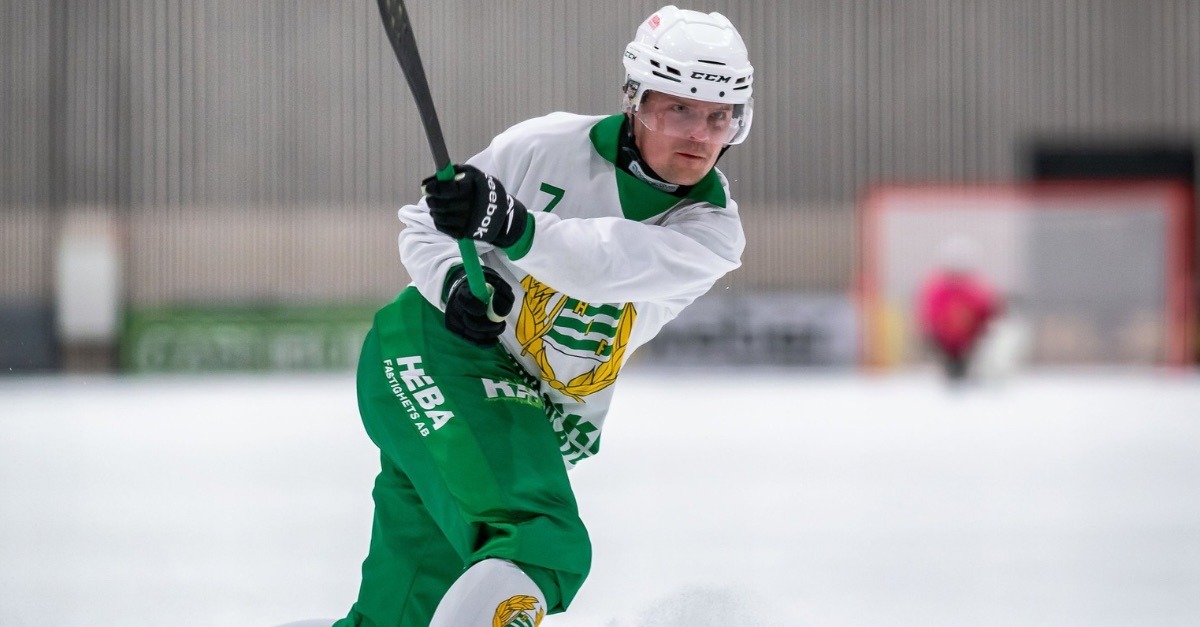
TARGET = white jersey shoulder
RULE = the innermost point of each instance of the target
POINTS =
(549, 127)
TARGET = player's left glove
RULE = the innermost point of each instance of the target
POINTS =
(474, 205)
(467, 316)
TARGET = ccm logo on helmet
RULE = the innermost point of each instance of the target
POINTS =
(716, 78)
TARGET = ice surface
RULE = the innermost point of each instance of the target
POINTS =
(720, 497)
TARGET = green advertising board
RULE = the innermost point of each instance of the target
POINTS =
(265, 339)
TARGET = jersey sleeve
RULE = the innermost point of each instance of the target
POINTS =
(618, 260)
(428, 254)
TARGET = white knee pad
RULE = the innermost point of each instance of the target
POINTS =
(492, 592)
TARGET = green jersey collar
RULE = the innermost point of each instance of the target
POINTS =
(640, 201)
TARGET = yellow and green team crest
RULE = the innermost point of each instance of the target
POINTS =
(582, 332)
(519, 611)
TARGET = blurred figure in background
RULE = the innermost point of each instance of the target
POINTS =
(955, 305)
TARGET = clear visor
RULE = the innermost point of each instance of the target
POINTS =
(694, 120)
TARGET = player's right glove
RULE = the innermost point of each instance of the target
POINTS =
(474, 205)
(467, 316)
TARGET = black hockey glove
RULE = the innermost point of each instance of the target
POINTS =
(467, 316)
(474, 205)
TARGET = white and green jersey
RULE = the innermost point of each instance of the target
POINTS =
(607, 262)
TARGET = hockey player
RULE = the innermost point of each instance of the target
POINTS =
(955, 306)
(594, 232)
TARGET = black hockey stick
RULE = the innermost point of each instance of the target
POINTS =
(404, 44)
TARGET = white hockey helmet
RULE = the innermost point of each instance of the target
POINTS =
(692, 55)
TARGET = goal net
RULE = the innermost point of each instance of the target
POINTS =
(1099, 273)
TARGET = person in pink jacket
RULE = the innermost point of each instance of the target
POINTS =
(955, 305)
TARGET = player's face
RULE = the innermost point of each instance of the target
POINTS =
(680, 138)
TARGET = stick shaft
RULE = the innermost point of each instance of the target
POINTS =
(404, 44)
